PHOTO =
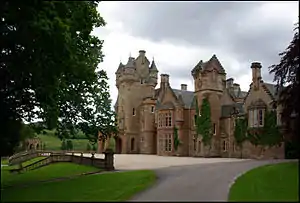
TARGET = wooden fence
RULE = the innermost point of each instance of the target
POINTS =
(106, 163)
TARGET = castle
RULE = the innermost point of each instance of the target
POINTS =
(147, 116)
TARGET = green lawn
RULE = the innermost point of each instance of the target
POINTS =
(101, 187)
(278, 182)
(54, 143)
(26, 163)
(51, 171)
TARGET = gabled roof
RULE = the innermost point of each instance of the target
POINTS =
(227, 110)
(214, 59)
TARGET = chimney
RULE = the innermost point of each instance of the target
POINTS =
(164, 80)
(236, 89)
(142, 52)
(256, 74)
(184, 87)
(229, 83)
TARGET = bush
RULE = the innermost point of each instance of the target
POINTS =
(94, 147)
(69, 145)
(88, 147)
(63, 145)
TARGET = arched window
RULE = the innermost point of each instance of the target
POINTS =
(132, 144)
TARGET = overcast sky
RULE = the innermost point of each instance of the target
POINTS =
(179, 34)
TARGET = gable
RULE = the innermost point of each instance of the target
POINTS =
(166, 99)
(254, 95)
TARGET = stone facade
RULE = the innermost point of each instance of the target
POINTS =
(147, 116)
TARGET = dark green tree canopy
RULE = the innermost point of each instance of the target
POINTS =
(48, 67)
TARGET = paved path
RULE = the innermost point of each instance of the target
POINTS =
(202, 182)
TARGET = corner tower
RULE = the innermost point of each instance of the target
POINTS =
(210, 82)
(136, 80)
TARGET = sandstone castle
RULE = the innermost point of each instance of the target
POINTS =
(147, 115)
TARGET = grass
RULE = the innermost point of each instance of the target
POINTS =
(276, 182)
(101, 187)
(56, 170)
(26, 163)
(54, 143)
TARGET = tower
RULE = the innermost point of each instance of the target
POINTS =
(210, 82)
(136, 80)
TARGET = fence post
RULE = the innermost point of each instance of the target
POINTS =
(81, 157)
(92, 158)
(109, 160)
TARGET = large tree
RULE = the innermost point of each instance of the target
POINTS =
(287, 75)
(48, 66)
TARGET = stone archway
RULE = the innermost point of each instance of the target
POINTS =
(132, 144)
(118, 145)
(31, 146)
(37, 146)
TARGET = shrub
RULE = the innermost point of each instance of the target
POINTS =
(69, 145)
(63, 145)
(88, 147)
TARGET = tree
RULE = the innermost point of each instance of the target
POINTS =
(176, 139)
(287, 75)
(88, 147)
(204, 123)
(48, 65)
(240, 132)
(97, 114)
(69, 145)
(63, 145)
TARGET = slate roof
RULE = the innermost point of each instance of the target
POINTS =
(187, 96)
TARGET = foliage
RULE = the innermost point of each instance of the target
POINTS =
(287, 75)
(94, 147)
(269, 135)
(63, 145)
(176, 139)
(240, 130)
(204, 125)
(69, 145)
(44, 146)
(88, 147)
(48, 66)
(197, 121)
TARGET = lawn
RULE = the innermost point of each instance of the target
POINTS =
(51, 171)
(54, 143)
(118, 186)
(26, 163)
(276, 182)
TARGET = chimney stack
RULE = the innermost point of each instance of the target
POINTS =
(236, 88)
(184, 87)
(164, 80)
(256, 74)
(142, 52)
(229, 83)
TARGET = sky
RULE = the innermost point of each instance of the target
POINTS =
(180, 34)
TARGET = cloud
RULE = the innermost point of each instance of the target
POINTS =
(179, 34)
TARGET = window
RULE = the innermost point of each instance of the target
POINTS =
(199, 146)
(195, 144)
(214, 129)
(142, 139)
(152, 109)
(142, 82)
(168, 119)
(161, 143)
(225, 146)
(168, 142)
(195, 120)
(159, 120)
(260, 117)
(133, 111)
(279, 115)
(256, 117)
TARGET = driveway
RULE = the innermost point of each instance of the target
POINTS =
(200, 182)
(141, 161)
